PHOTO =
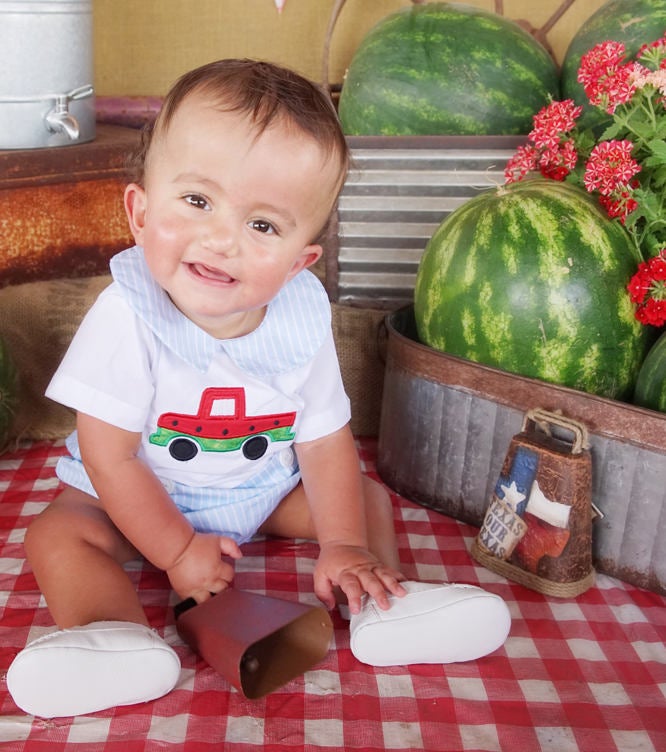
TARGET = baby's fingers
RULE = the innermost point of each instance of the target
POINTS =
(229, 547)
(353, 587)
(323, 589)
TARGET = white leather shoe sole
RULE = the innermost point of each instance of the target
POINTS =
(90, 668)
(431, 624)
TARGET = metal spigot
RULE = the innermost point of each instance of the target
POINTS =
(60, 119)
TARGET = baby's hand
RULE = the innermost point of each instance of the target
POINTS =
(355, 571)
(200, 570)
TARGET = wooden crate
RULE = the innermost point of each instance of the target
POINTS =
(61, 209)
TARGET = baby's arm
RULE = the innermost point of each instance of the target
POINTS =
(332, 482)
(139, 506)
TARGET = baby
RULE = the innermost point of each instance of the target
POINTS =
(210, 408)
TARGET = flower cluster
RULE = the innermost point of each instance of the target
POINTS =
(625, 166)
(648, 290)
(606, 80)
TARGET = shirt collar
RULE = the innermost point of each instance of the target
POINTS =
(296, 323)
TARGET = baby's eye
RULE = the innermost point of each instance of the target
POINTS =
(197, 201)
(261, 225)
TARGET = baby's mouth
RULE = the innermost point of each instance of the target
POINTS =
(208, 272)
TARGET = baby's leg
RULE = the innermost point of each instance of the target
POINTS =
(292, 519)
(76, 554)
(380, 523)
(105, 654)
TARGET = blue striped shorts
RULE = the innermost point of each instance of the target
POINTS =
(235, 512)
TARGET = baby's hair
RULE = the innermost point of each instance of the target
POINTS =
(265, 92)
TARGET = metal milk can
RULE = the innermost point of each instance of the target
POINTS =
(46, 73)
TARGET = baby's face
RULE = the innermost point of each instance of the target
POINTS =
(228, 216)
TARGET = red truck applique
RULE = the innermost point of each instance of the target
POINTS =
(221, 425)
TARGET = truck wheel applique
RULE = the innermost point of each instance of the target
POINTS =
(182, 449)
(221, 425)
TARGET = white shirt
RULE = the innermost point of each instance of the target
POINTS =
(136, 358)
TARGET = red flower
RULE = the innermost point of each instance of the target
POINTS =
(620, 207)
(522, 162)
(647, 289)
(607, 81)
(652, 313)
(610, 167)
(654, 53)
(552, 121)
(557, 163)
(550, 149)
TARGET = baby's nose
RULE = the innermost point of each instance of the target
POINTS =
(219, 237)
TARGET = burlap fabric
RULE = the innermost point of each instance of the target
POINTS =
(38, 320)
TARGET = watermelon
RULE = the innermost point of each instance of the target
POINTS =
(531, 278)
(445, 68)
(632, 22)
(651, 382)
(7, 392)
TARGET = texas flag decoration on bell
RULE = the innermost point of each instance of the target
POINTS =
(537, 529)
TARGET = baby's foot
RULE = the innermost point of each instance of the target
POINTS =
(433, 623)
(90, 668)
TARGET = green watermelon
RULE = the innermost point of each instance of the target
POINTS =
(651, 382)
(531, 278)
(632, 22)
(445, 68)
(7, 392)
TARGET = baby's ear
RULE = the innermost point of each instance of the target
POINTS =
(310, 255)
(135, 208)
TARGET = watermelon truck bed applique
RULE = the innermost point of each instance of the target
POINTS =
(221, 425)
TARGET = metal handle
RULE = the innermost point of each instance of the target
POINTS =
(58, 119)
(81, 92)
(544, 419)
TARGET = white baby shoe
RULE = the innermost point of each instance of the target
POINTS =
(433, 623)
(90, 668)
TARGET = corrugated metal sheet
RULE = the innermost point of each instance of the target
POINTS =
(397, 193)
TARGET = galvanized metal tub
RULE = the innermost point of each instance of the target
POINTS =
(46, 86)
(446, 424)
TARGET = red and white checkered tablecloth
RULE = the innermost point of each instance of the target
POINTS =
(579, 674)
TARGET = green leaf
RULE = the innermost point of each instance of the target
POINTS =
(658, 147)
(613, 131)
(644, 130)
(585, 142)
(657, 180)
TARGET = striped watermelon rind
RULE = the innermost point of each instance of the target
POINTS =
(531, 278)
(651, 382)
(444, 68)
(8, 385)
(632, 22)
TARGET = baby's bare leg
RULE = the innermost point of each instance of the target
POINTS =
(292, 519)
(380, 522)
(104, 645)
(77, 554)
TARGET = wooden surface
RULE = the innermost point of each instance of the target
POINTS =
(61, 209)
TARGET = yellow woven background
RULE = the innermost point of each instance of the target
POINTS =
(142, 46)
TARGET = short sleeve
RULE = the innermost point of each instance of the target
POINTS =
(326, 405)
(106, 372)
